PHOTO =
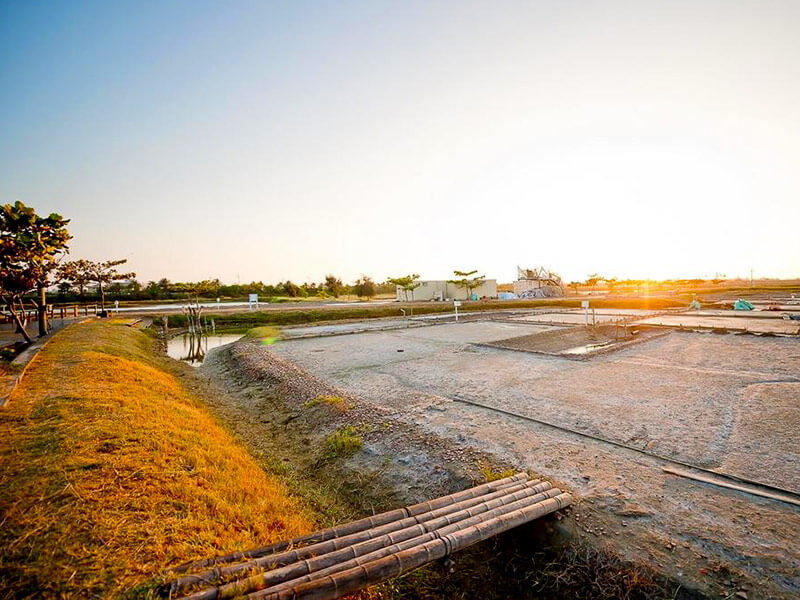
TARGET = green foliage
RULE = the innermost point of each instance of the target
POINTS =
(292, 289)
(492, 475)
(465, 279)
(408, 283)
(7, 354)
(30, 246)
(364, 287)
(343, 442)
(333, 285)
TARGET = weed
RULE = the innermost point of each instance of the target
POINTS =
(8, 368)
(343, 442)
(335, 401)
(491, 475)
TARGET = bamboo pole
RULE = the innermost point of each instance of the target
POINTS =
(328, 564)
(345, 582)
(733, 486)
(386, 534)
(354, 526)
(289, 556)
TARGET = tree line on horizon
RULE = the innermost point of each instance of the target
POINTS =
(75, 286)
(164, 289)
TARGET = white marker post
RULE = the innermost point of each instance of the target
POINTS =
(456, 304)
(585, 306)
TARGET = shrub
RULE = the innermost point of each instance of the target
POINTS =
(343, 442)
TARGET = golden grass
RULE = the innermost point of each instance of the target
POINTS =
(110, 472)
(336, 402)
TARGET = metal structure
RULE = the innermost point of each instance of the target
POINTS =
(538, 282)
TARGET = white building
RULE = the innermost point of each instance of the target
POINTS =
(444, 290)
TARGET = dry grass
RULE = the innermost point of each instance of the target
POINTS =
(337, 402)
(111, 472)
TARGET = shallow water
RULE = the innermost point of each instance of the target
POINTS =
(192, 348)
(587, 348)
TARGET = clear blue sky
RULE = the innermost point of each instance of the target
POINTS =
(268, 141)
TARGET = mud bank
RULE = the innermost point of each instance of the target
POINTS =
(401, 462)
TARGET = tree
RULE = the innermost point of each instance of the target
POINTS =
(134, 288)
(152, 290)
(333, 285)
(291, 289)
(78, 273)
(64, 288)
(115, 289)
(104, 273)
(467, 281)
(208, 288)
(30, 247)
(165, 287)
(101, 273)
(364, 287)
(408, 283)
(593, 279)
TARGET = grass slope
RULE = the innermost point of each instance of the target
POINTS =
(110, 471)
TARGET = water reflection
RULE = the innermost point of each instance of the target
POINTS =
(192, 348)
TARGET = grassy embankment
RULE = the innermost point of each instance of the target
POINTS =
(293, 316)
(110, 471)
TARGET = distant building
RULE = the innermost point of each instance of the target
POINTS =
(443, 290)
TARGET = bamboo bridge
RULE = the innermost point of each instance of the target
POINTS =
(341, 560)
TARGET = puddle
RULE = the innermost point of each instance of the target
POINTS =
(192, 348)
(587, 348)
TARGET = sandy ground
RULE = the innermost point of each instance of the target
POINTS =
(571, 318)
(756, 324)
(723, 402)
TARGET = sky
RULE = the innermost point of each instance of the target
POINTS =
(269, 141)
